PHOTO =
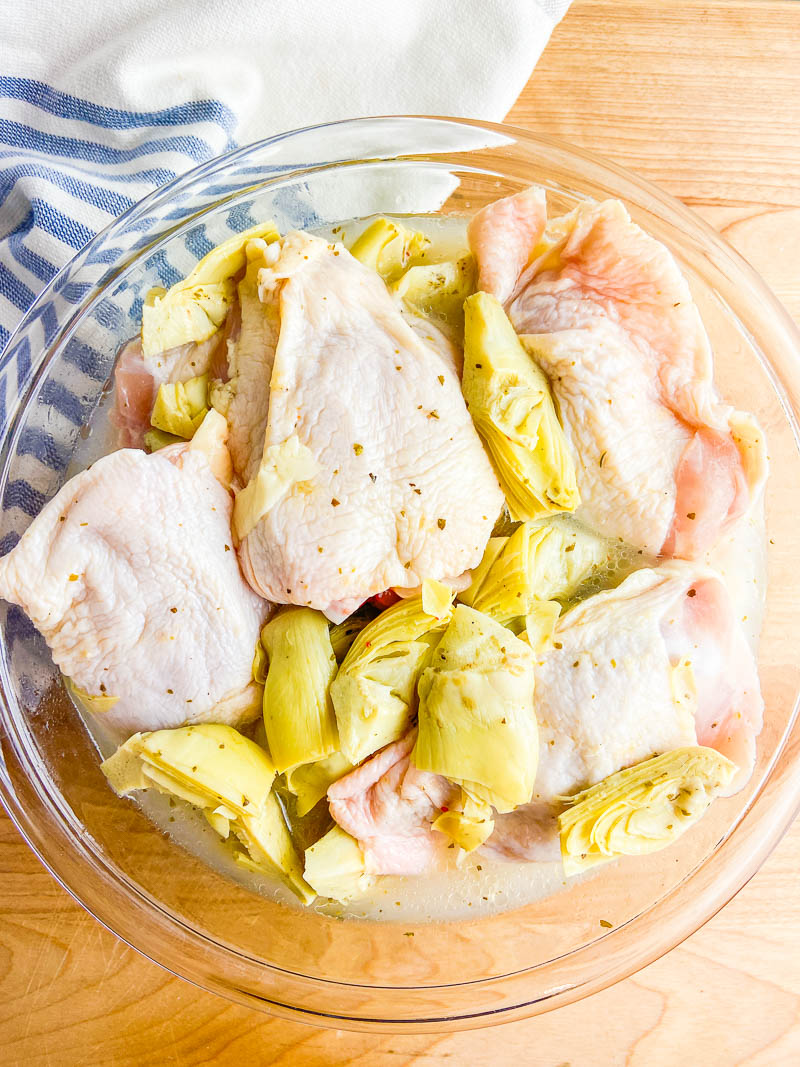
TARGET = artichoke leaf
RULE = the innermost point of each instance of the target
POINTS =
(180, 407)
(388, 247)
(542, 560)
(540, 625)
(468, 827)
(97, 704)
(438, 290)
(437, 598)
(282, 467)
(269, 848)
(211, 439)
(195, 308)
(226, 775)
(641, 809)
(154, 440)
(299, 719)
(477, 725)
(334, 867)
(509, 399)
(343, 634)
(374, 691)
(260, 665)
(309, 782)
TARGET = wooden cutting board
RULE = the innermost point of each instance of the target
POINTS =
(703, 98)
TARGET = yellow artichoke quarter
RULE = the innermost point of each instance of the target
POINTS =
(509, 399)
(477, 724)
(641, 809)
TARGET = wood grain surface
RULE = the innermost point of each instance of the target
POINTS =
(703, 98)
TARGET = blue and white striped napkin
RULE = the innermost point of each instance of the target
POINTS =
(97, 109)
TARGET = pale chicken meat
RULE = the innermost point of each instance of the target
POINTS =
(658, 663)
(130, 575)
(622, 324)
(250, 359)
(382, 479)
(627, 445)
(388, 805)
(503, 236)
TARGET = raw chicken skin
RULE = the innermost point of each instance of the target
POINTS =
(595, 270)
(250, 369)
(130, 575)
(403, 490)
(626, 443)
(503, 236)
(729, 705)
(608, 695)
(388, 805)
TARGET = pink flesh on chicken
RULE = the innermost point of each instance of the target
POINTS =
(388, 805)
(730, 708)
(135, 394)
(596, 266)
(711, 492)
(502, 237)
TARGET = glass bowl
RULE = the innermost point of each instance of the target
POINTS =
(162, 899)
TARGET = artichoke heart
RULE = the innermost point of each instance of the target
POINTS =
(180, 407)
(375, 689)
(389, 247)
(438, 290)
(195, 308)
(299, 720)
(334, 867)
(97, 704)
(260, 664)
(477, 725)
(282, 467)
(509, 400)
(343, 634)
(641, 809)
(211, 438)
(468, 827)
(542, 560)
(309, 782)
(227, 776)
(157, 439)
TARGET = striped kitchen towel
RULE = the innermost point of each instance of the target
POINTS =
(101, 104)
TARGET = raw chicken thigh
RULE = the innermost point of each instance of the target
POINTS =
(388, 805)
(130, 575)
(656, 664)
(663, 462)
(371, 474)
